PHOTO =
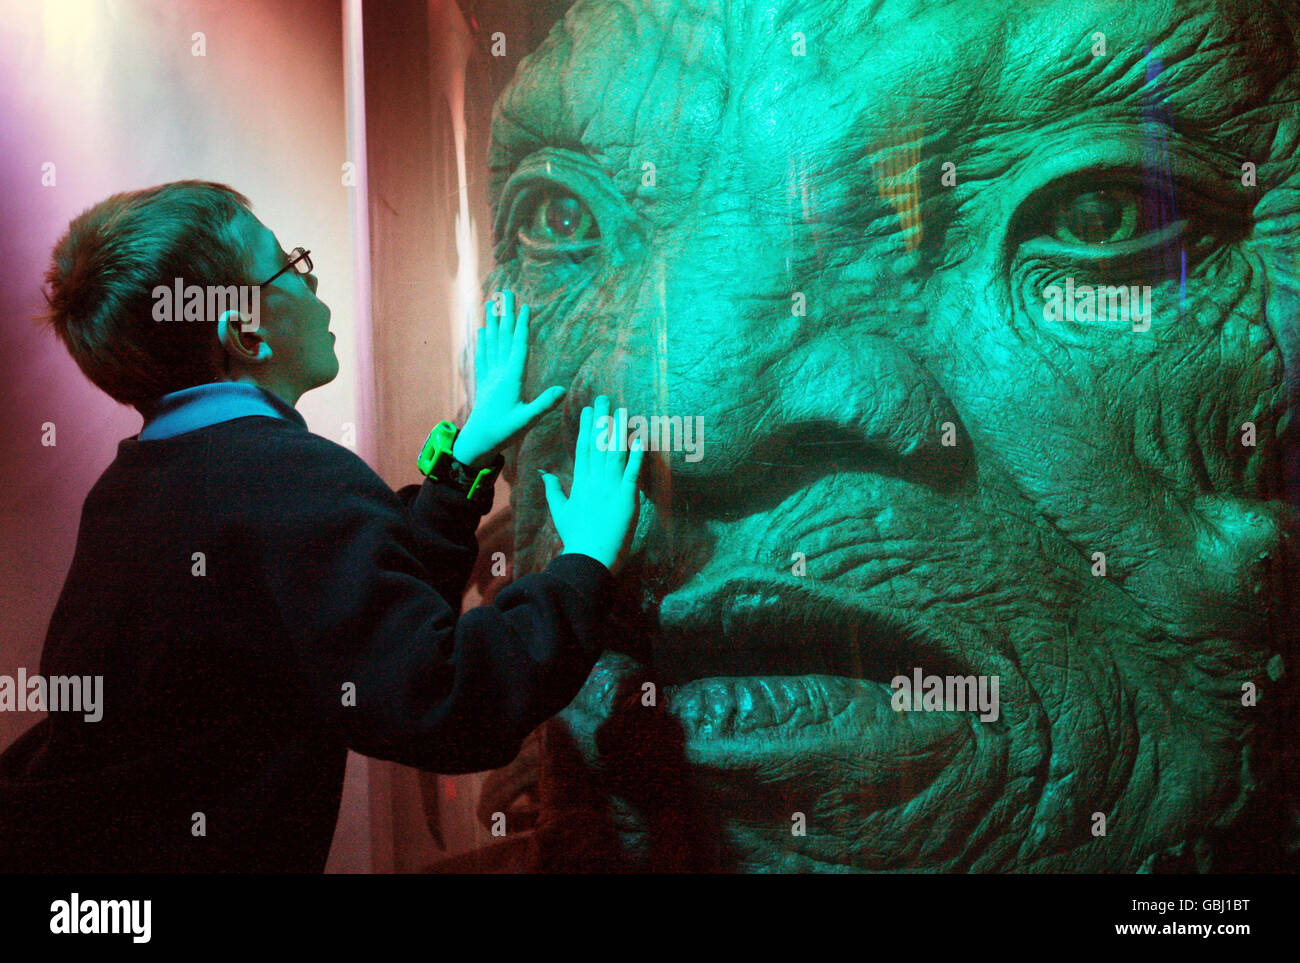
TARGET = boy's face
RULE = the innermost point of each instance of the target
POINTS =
(293, 321)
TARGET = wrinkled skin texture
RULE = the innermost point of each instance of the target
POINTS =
(824, 429)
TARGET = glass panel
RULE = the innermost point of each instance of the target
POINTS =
(964, 345)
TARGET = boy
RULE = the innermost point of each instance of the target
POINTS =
(254, 597)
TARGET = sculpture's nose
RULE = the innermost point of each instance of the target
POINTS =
(765, 407)
(831, 406)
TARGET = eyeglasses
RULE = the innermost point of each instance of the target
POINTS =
(299, 260)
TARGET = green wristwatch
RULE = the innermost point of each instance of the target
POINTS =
(436, 461)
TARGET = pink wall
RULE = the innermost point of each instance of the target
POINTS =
(112, 94)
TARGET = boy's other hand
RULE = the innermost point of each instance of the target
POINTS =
(500, 414)
(598, 516)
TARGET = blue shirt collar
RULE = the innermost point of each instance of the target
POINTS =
(180, 411)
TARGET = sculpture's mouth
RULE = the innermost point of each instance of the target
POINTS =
(758, 666)
(767, 657)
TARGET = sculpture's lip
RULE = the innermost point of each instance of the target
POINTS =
(756, 723)
(785, 625)
(755, 667)
(819, 713)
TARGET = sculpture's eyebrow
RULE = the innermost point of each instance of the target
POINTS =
(1214, 78)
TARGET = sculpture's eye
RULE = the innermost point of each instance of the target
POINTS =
(559, 218)
(1122, 220)
(1123, 225)
(1110, 216)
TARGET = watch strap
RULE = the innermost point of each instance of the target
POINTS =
(438, 464)
(477, 485)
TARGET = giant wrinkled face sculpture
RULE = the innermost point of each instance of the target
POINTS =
(861, 242)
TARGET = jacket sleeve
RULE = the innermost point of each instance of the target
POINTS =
(352, 570)
(444, 517)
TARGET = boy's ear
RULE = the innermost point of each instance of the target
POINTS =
(241, 341)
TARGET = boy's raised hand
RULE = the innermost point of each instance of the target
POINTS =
(500, 414)
(598, 516)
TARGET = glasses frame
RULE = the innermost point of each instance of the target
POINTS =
(297, 256)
